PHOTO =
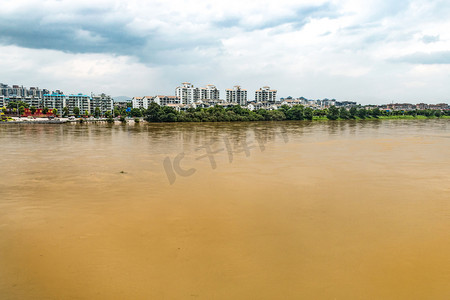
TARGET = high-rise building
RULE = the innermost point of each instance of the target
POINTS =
(210, 92)
(265, 94)
(103, 102)
(237, 95)
(5, 90)
(187, 93)
(19, 91)
(54, 100)
(83, 102)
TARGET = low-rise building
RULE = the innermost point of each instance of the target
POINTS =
(166, 100)
(441, 106)
(401, 106)
(146, 100)
(137, 102)
(121, 104)
(325, 103)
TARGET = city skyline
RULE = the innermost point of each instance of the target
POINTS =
(373, 52)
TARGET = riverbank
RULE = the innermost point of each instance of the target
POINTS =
(401, 117)
(133, 120)
(17, 120)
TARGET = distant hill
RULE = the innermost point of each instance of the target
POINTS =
(121, 98)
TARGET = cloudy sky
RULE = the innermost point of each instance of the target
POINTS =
(372, 51)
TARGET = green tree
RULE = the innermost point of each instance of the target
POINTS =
(362, 113)
(135, 112)
(153, 113)
(65, 111)
(15, 104)
(285, 109)
(344, 113)
(263, 113)
(376, 112)
(55, 111)
(21, 110)
(170, 117)
(86, 113)
(308, 113)
(97, 112)
(320, 112)
(76, 111)
(294, 113)
(32, 110)
(353, 112)
(276, 115)
(45, 110)
(333, 113)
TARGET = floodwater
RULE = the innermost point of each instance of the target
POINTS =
(284, 210)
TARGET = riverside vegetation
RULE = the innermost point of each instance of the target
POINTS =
(157, 113)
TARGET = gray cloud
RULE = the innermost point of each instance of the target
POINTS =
(428, 39)
(104, 30)
(299, 18)
(83, 33)
(435, 58)
(99, 30)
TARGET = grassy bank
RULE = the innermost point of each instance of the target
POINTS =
(401, 117)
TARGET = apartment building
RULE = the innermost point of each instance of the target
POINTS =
(32, 101)
(4, 90)
(237, 95)
(103, 102)
(167, 100)
(328, 103)
(401, 106)
(265, 94)
(137, 102)
(146, 100)
(142, 102)
(83, 102)
(210, 92)
(187, 93)
(53, 100)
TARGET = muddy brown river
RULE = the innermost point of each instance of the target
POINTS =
(283, 210)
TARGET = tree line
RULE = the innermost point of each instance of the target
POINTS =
(157, 113)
